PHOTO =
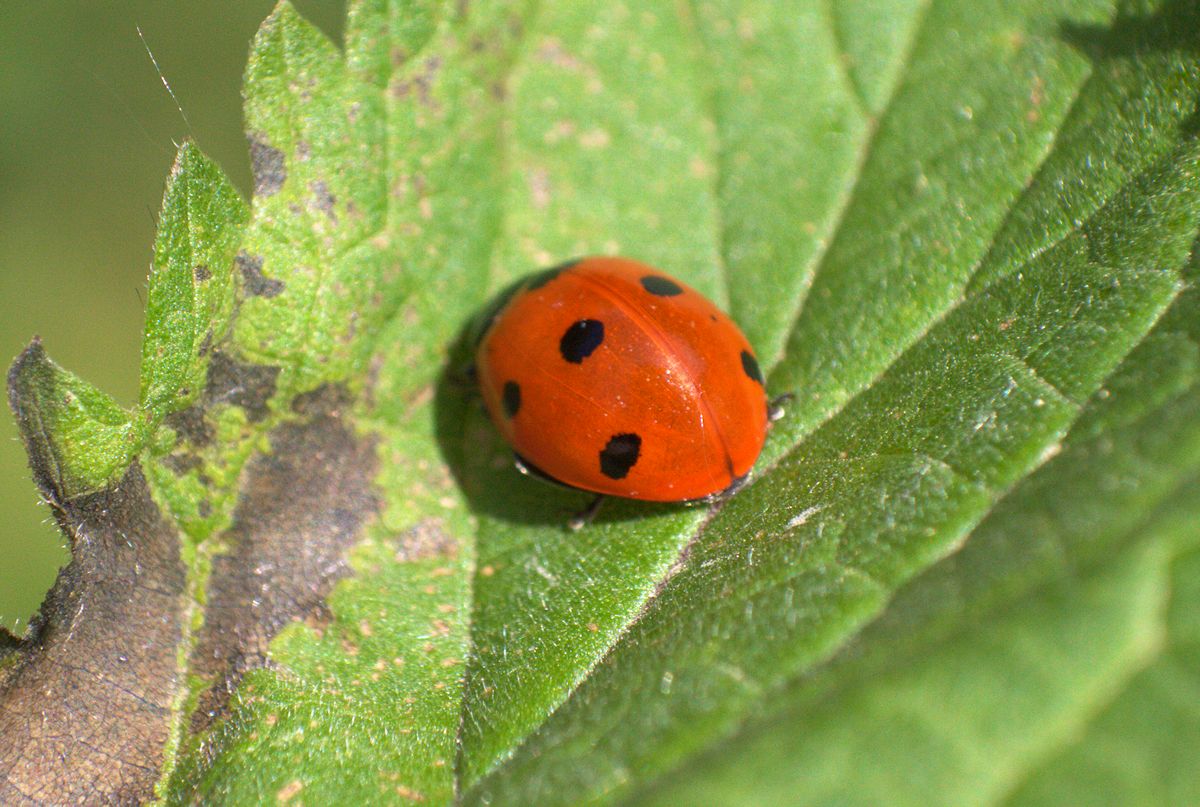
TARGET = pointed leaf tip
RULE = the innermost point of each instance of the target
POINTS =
(78, 438)
(192, 286)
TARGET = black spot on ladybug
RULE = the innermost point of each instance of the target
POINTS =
(546, 275)
(511, 398)
(620, 455)
(661, 286)
(750, 365)
(581, 340)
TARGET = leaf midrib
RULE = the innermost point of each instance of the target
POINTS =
(968, 291)
(817, 260)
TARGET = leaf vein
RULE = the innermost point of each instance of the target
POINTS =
(841, 57)
(844, 203)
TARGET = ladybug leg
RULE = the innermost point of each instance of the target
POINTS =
(775, 409)
(527, 468)
(576, 522)
(584, 517)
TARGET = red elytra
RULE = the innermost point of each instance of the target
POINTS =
(608, 375)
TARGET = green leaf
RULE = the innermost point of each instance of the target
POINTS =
(959, 724)
(933, 373)
(1138, 750)
(78, 438)
(961, 232)
(944, 632)
(191, 294)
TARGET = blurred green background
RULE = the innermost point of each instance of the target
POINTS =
(87, 135)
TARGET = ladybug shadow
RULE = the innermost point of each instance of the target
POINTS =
(482, 463)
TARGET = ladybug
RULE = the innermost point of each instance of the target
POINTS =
(608, 375)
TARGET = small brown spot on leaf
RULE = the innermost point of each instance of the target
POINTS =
(324, 199)
(539, 187)
(1037, 94)
(594, 139)
(428, 539)
(410, 794)
(551, 50)
(422, 82)
(201, 273)
(289, 791)
(560, 131)
(268, 166)
(253, 279)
